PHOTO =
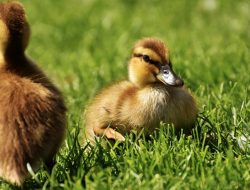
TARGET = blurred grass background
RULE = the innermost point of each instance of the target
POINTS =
(84, 45)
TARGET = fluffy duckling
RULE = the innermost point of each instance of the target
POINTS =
(153, 93)
(32, 111)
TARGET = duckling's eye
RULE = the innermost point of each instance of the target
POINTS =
(146, 58)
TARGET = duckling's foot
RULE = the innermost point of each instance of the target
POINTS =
(109, 133)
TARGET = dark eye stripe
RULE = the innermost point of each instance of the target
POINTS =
(147, 59)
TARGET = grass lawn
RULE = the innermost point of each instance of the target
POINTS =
(84, 45)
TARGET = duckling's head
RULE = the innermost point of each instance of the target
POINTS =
(14, 29)
(150, 64)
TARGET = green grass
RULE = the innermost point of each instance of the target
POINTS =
(84, 45)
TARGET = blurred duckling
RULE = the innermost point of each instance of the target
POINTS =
(32, 116)
(153, 93)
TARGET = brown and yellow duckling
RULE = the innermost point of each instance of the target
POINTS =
(153, 93)
(32, 110)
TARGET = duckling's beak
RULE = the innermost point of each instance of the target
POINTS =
(168, 77)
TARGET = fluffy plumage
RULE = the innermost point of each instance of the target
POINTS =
(32, 110)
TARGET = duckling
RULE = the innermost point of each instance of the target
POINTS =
(33, 114)
(153, 93)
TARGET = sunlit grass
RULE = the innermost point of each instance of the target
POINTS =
(84, 45)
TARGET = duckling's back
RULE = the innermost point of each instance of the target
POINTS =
(32, 121)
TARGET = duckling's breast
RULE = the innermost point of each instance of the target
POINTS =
(140, 108)
(156, 104)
